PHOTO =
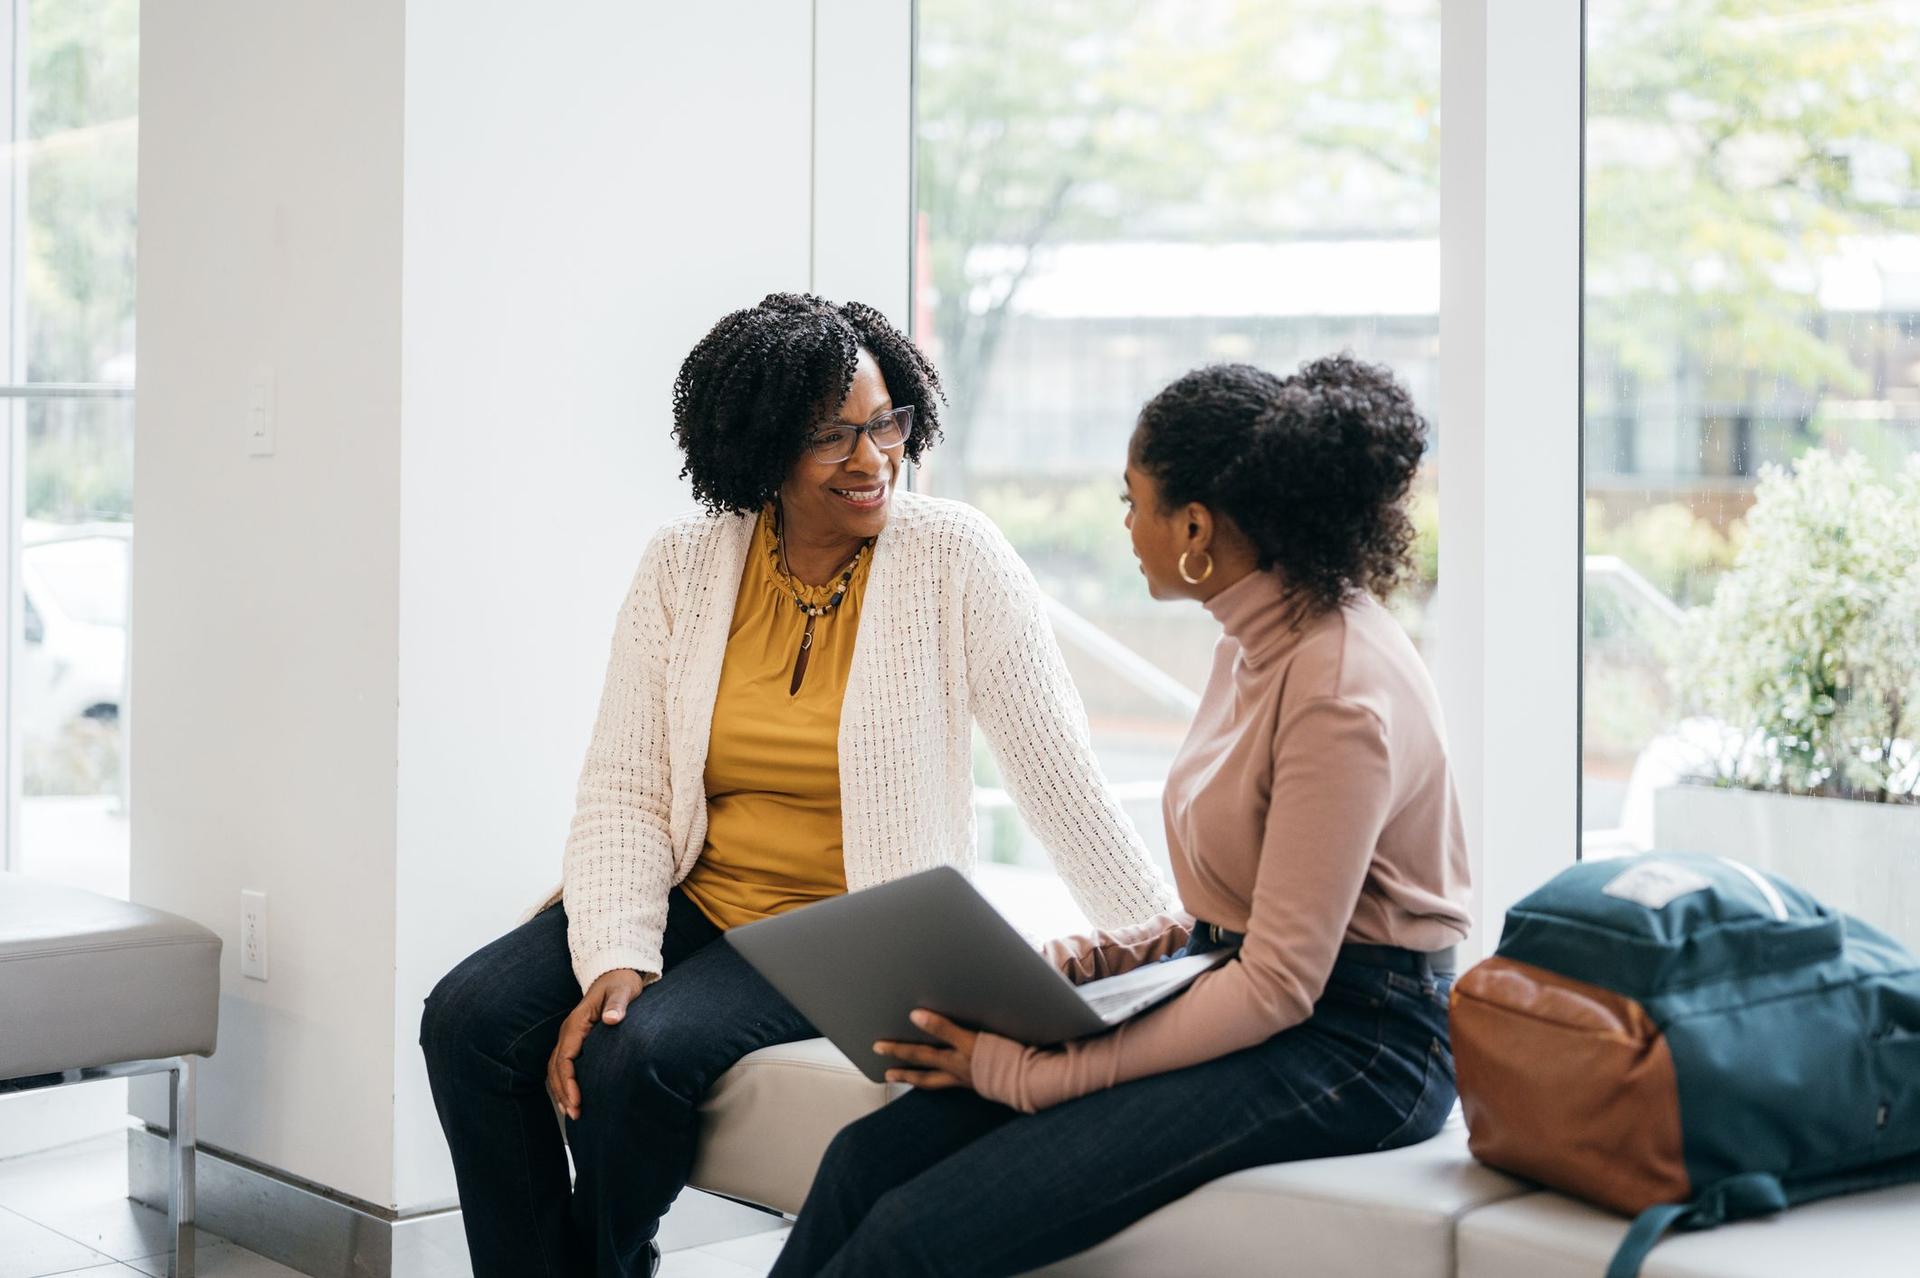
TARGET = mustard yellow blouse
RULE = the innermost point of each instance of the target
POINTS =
(773, 759)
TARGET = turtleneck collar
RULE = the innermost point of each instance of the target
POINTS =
(1260, 614)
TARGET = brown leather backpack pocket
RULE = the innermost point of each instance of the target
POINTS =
(1568, 1084)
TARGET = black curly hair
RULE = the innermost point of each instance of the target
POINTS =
(756, 385)
(1313, 468)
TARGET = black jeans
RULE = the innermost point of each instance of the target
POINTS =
(948, 1183)
(487, 1031)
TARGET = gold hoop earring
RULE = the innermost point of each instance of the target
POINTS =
(1188, 577)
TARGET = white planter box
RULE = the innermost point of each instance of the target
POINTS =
(1861, 858)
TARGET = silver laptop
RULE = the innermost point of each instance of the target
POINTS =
(856, 965)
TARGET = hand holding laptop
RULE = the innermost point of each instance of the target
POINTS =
(858, 966)
(936, 1067)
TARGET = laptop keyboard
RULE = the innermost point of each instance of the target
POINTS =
(1118, 997)
(1111, 1001)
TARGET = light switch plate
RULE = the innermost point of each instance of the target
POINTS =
(260, 413)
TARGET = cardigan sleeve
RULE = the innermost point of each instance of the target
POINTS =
(619, 855)
(1031, 714)
(1094, 956)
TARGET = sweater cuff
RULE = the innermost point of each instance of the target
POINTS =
(1003, 1071)
(595, 966)
(1092, 956)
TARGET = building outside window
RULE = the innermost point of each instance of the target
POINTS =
(1113, 192)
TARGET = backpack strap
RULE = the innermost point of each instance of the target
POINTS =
(1648, 1228)
(1735, 1198)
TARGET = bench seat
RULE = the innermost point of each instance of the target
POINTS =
(767, 1122)
(95, 987)
(1428, 1211)
(87, 980)
(1543, 1235)
(1362, 1216)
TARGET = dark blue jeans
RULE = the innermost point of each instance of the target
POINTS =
(487, 1031)
(948, 1183)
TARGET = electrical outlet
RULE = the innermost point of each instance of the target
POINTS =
(253, 934)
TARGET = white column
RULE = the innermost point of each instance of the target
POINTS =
(266, 589)
(566, 244)
(862, 170)
(1510, 495)
(475, 246)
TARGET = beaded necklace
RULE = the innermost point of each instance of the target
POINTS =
(813, 611)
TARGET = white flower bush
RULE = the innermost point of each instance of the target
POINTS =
(1809, 653)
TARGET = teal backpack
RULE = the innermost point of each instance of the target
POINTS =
(1688, 1041)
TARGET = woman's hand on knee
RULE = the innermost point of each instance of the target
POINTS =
(606, 1000)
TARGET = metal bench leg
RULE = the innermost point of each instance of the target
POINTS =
(181, 1140)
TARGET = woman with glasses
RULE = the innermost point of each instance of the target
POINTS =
(788, 715)
(1312, 823)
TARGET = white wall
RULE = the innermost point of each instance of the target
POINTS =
(863, 154)
(585, 195)
(266, 591)
(475, 245)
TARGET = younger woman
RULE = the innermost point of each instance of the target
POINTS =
(1312, 821)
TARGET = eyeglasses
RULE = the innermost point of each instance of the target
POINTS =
(834, 442)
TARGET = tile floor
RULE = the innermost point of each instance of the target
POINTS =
(66, 1211)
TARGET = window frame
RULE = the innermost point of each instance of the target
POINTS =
(15, 394)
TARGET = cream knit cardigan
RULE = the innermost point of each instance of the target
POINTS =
(952, 631)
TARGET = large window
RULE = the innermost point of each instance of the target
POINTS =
(1752, 420)
(1110, 193)
(72, 132)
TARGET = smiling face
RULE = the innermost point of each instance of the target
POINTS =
(844, 502)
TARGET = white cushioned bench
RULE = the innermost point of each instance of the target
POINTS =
(1429, 1211)
(766, 1124)
(1875, 1235)
(1365, 1216)
(92, 987)
(769, 1119)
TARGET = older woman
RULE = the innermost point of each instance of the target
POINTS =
(788, 714)
(1312, 822)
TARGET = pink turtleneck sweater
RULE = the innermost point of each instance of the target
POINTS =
(1311, 804)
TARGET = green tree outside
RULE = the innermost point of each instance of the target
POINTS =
(81, 150)
(1132, 119)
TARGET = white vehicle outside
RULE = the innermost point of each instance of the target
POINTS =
(74, 578)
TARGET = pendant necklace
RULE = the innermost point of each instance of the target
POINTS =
(813, 611)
